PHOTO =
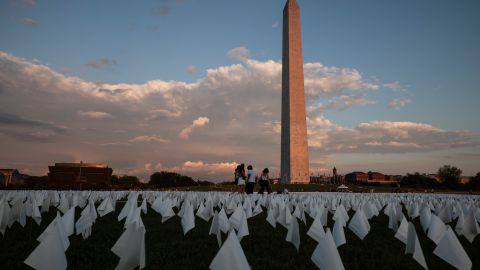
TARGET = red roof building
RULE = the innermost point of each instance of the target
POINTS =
(77, 173)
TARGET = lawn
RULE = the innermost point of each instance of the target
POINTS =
(265, 248)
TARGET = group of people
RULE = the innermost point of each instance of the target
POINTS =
(246, 180)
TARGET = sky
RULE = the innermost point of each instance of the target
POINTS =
(195, 86)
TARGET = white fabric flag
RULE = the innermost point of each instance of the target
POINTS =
(338, 234)
(402, 232)
(325, 255)
(392, 217)
(157, 204)
(285, 216)
(166, 210)
(230, 256)
(144, 205)
(4, 215)
(271, 217)
(300, 213)
(243, 227)
(129, 206)
(460, 223)
(204, 213)
(50, 253)
(64, 206)
(316, 231)
(223, 221)
(293, 235)
(215, 229)
(436, 230)
(36, 213)
(425, 218)
(470, 227)
(413, 246)
(341, 216)
(46, 204)
(258, 209)
(188, 219)
(359, 224)
(130, 248)
(68, 221)
(56, 226)
(450, 250)
(236, 217)
(105, 207)
(247, 206)
(84, 223)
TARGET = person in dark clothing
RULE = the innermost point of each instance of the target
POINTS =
(264, 182)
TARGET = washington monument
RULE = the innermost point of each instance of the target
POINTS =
(294, 152)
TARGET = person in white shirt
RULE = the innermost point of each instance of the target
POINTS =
(251, 179)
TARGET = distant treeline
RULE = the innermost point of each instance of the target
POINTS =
(447, 177)
(158, 180)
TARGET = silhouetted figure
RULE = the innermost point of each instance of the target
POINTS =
(264, 182)
(241, 177)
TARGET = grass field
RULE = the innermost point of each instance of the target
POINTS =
(329, 187)
(265, 247)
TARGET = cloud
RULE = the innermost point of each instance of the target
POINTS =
(94, 115)
(161, 114)
(28, 22)
(243, 100)
(393, 85)
(320, 79)
(102, 63)
(398, 103)
(342, 103)
(197, 123)
(386, 137)
(191, 69)
(147, 138)
(19, 121)
(239, 53)
(202, 166)
(29, 130)
(39, 136)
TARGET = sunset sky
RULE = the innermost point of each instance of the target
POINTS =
(195, 86)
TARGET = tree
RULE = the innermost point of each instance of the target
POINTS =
(170, 179)
(128, 180)
(419, 180)
(449, 175)
(36, 182)
(475, 182)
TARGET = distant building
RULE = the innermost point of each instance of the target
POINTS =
(435, 177)
(464, 180)
(376, 176)
(355, 177)
(11, 176)
(78, 173)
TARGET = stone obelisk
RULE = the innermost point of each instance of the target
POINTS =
(294, 152)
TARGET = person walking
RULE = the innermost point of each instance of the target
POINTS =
(251, 179)
(264, 182)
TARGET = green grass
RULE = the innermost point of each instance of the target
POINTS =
(265, 247)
